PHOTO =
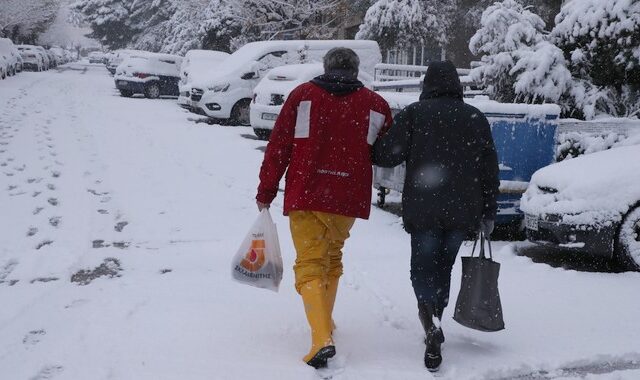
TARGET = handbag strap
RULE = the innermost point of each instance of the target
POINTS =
(482, 239)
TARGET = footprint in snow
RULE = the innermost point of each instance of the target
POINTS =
(120, 226)
(51, 186)
(53, 201)
(37, 210)
(43, 243)
(48, 372)
(103, 211)
(33, 337)
(32, 231)
(55, 174)
(54, 221)
(12, 187)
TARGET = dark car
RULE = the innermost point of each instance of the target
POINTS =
(153, 75)
(589, 204)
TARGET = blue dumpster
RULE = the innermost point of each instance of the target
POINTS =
(524, 137)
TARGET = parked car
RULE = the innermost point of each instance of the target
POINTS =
(11, 57)
(197, 66)
(228, 95)
(153, 75)
(4, 65)
(39, 51)
(116, 58)
(58, 54)
(274, 89)
(590, 203)
(32, 60)
(96, 57)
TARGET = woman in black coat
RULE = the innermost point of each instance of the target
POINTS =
(450, 187)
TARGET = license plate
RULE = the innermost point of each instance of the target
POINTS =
(531, 222)
(269, 116)
(122, 82)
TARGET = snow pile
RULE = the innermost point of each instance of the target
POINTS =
(593, 189)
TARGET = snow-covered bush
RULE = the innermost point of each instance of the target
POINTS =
(518, 62)
(407, 22)
(601, 42)
(574, 144)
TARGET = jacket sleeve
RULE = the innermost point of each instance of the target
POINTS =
(278, 153)
(392, 148)
(489, 172)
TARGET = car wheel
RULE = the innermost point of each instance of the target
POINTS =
(628, 239)
(152, 91)
(126, 93)
(240, 112)
(262, 134)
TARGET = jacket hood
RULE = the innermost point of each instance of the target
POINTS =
(441, 80)
(338, 83)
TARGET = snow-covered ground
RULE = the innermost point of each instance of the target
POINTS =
(119, 218)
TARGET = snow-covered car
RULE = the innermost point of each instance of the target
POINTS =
(272, 91)
(590, 203)
(118, 56)
(96, 57)
(153, 75)
(39, 51)
(4, 65)
(32, 60)
(58, 54)
(197, 66)
(228, 95)
(11, 57)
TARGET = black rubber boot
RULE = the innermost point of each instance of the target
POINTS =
(433, 340)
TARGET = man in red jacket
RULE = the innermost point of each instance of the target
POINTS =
(323, 139)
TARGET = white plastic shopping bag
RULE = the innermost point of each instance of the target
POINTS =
(258, 262)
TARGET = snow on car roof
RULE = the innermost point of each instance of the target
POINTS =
(152, 63)
(292, 72)
(595, 187)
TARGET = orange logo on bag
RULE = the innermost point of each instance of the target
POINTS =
(254, 259)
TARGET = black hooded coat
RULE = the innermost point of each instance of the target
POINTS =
(452, 169)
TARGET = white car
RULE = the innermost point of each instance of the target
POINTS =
(590, 203)
(43, 58)
(96, 57)
(4, 65)
(197, 66)
(115, 58)
(272, 91)
(153, 75)
(32, 60)
(12, 62)
(228, 95)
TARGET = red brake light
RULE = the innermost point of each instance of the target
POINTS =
(140, 75)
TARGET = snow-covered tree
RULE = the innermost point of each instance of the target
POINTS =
(601, 42)
(116, 23)
(518, 62)
(24, 20)
(402, 23)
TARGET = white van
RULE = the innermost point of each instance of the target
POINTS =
(272, 91)
(228, 95)
(197, 66)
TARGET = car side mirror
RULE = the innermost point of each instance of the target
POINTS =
(249, 75)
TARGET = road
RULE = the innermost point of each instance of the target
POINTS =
(119, 220)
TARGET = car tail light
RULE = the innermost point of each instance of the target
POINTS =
(140, 75)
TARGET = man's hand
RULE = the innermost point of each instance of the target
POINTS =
(486, 226)
(262, 206)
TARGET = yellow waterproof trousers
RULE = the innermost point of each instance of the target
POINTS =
(318, 238)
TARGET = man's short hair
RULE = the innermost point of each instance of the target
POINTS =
(342, 60)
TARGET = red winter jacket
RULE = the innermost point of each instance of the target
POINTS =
(325, 138)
